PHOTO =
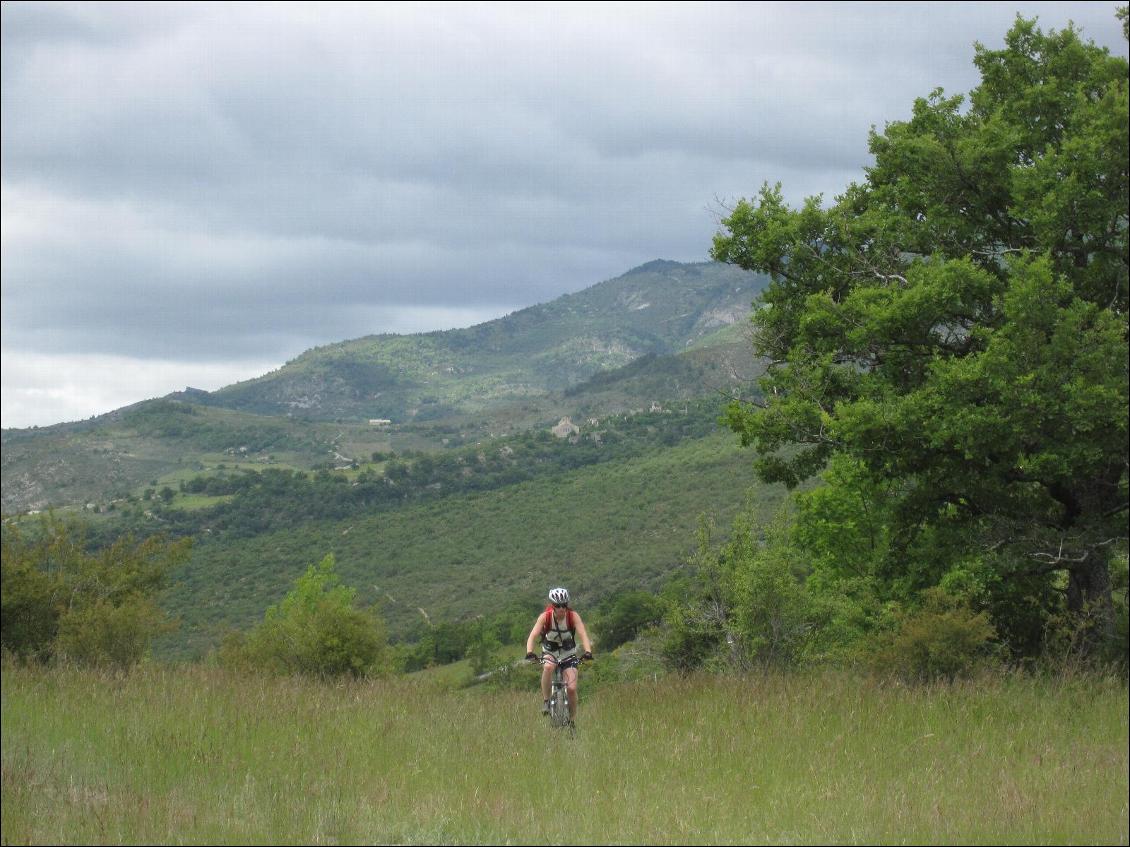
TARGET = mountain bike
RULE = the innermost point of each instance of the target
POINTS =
(559, 696)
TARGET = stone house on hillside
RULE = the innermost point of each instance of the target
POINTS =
(565, 427)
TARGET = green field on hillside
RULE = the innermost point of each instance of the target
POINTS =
(157, 443)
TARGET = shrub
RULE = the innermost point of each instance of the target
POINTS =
(29, 620)
(752, 606)
(515, 676)
(317, 630)
(625, 616)
(91, 607)
(1118, 650)
(103, 634)
(693, 636)
(942, 640)
(483, 648)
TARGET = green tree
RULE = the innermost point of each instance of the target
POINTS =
(625, 615)
(484, 644)
(318, 630)
(773, 611)
(750, 605)
(698, 621)
(97, 607)
(31, 602)
(957, 322)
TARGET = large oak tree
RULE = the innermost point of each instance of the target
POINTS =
(957, 321)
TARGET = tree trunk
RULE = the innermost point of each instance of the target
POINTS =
(1089, 602)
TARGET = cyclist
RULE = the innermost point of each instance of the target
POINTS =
(558, 628)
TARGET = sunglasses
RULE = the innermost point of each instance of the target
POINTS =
(560, 605)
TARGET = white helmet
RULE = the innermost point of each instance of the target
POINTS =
(558, 596)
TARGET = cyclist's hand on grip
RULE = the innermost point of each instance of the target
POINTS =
(587, 657)
(531, 657)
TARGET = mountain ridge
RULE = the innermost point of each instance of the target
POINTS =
(663, 331)
(660, 307)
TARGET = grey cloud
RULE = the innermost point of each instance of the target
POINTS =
(157, 293)
(205, 180)
(31, 25)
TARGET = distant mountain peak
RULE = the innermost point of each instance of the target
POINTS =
(655, 266)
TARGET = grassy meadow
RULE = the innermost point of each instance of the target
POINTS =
(198, 755)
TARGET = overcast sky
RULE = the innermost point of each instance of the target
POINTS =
(194, 194)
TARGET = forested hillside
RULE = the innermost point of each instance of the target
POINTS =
(605, 528)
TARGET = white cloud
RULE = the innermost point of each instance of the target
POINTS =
(43, 389)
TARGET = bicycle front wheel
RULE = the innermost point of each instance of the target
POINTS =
(559, 708)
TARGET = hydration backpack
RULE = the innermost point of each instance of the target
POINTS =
(566, 638)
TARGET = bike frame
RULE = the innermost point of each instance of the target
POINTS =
(559, 695)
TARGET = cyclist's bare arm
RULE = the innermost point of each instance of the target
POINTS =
(535, 636)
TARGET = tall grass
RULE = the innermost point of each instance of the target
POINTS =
(198, 755)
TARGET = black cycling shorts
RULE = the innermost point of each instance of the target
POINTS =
(568, 662)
